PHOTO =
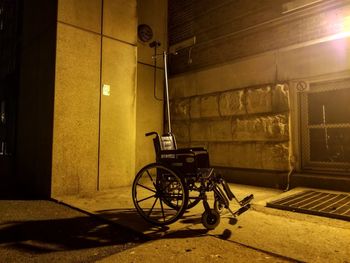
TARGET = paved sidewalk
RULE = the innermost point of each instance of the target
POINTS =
(35, 231)
(296, 236)
(197, 249)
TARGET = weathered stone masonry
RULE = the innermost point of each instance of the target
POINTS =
(245, 128)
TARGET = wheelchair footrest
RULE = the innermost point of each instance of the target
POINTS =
(246, 200)
(242, 210)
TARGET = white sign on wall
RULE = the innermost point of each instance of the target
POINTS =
(106, 90)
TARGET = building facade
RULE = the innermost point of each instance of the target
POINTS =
(265, 88)
(84, 94)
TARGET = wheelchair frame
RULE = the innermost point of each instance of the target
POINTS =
(179, 180)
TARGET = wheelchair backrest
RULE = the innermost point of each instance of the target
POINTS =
(163, 142)
(168, 142)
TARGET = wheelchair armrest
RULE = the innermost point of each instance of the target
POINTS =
(194, 149)
(151, 133)
(177, 151)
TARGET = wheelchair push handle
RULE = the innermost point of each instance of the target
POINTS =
(151, 133)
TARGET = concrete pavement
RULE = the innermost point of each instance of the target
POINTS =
(290, 235)
(34, 231)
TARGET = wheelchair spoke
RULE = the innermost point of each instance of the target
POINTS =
(149, 189)
(159, 194)
(161, 205)
(150, 211)
(177, 200)
(150, 177)
(144, 199)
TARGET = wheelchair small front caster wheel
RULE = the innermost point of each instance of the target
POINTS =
(210, 219)
(219, 206)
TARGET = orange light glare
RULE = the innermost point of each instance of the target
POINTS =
(346, 25)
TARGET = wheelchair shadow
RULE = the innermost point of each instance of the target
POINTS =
(131, 219)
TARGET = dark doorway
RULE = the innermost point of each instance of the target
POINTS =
(9, 86)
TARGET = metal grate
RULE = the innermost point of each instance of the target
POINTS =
(325, 126)
(316, 203)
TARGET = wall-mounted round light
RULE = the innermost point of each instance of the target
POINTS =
(144, 32)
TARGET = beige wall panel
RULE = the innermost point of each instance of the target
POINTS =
(120, 19)
(244, 73)
(81, 13)
(149, 113)
(154, 14)
(75, 143)
(314, 60)
(118, 124)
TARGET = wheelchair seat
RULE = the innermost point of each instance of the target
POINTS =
(184, 160)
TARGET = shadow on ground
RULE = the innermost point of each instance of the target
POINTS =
(43, 236)
(131, 217)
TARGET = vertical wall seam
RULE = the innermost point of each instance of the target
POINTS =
(100, 103)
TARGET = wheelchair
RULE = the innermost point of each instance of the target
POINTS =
(179, 180)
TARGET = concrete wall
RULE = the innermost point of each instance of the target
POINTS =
(238, 97)
(149, 110)
(36, 95)
(118, 111)
(230, 30)
(94, 134)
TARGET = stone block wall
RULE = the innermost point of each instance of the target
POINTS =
(222, 100)
(244, 128)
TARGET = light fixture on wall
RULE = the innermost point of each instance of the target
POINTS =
(185, 44)
(144, 32)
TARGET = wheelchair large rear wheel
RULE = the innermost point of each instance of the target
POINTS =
(154, 187)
